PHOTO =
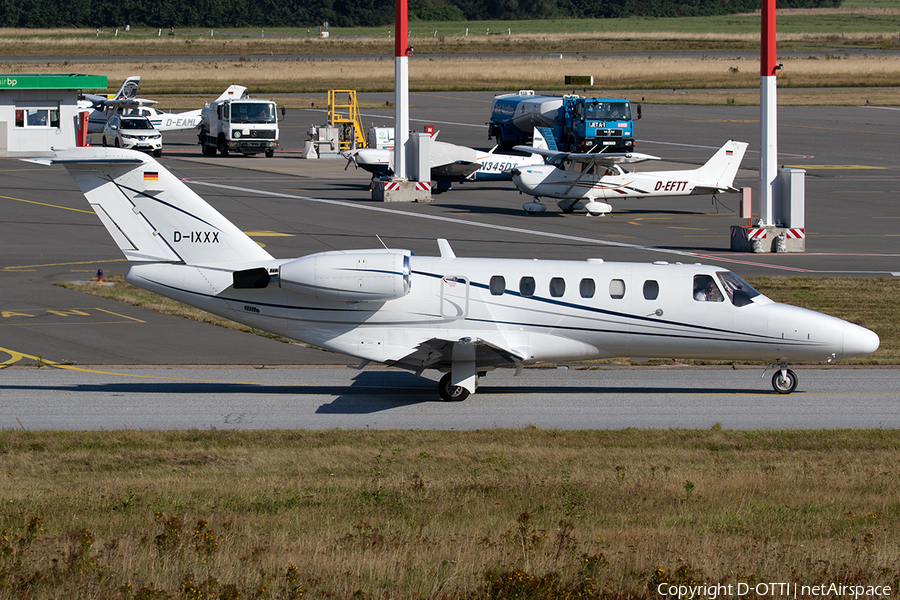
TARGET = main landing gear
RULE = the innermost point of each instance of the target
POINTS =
(449, 392)
(455, 393)
(784, 381)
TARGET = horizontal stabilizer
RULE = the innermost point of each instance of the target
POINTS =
(458, 169)
(151, 214)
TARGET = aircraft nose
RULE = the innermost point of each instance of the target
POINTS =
(859, 341)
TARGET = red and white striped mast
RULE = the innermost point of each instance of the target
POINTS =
(768, 157)
(401, 92)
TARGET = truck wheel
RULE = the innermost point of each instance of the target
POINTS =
(270, 153)
(208, 150)
(223, 148)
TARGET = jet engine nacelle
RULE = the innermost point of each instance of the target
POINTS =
(355, 276)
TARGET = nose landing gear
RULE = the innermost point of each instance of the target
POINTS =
(784, 381)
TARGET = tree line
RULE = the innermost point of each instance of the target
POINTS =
(347, 13)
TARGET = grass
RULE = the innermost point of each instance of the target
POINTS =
(839, 80)
(876, 307)
(440, 515)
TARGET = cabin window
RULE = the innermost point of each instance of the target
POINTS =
(587, 288)
(617, 289)
(526, 286)
(651, 289)
(557, 287)
(498, 285)
(706, 290)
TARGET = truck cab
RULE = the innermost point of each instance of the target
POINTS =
(602, 123)
(239, 125)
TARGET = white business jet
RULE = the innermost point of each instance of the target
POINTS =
(125, 101)
(460, 316)
(450, 163)
(572, 178)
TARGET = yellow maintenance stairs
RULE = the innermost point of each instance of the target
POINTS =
(346, 116)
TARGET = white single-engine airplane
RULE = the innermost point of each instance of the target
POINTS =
(595, 177)
(101, 108)
(459, 316)
(449, 163)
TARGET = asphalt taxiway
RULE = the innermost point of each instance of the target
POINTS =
(297, 206)
(379, 398)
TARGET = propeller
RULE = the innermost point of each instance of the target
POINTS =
(350, 155)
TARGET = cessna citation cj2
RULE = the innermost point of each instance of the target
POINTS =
(460, 316)
(593, 177)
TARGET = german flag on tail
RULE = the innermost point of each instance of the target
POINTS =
(151, 176)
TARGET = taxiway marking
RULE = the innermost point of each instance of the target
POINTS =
(90, 212)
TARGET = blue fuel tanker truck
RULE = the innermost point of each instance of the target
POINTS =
(578, 124)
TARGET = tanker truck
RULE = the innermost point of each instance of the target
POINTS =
(578, 124)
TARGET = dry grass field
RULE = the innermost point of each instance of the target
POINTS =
(363, 59)
(442, 515)
(666, 80)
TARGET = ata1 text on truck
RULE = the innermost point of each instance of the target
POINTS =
(578, 124)
(239, 125)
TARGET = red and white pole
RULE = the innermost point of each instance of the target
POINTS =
(768, 156)
(401, 91)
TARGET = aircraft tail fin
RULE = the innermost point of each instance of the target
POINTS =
(233, 91)
(720, 170)
(129, 88)
(151, 214)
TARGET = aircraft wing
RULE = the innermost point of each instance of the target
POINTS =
(438, 353)
(129, 102)
(705, 189)
(458, 169)
(591, 158)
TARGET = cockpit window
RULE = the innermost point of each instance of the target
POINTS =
(706, 290)
(739, 291)
(561, 162)
(609, 110)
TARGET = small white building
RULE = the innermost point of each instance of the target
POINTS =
(38, 112)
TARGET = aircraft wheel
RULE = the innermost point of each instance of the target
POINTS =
(785, 384)
(451, 393)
